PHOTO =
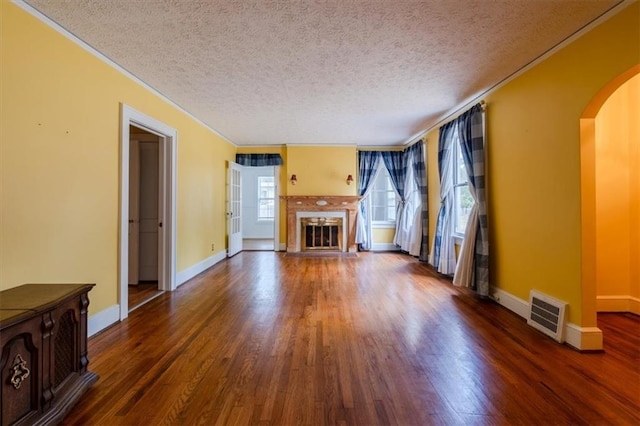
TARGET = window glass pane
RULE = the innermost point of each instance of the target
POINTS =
(266, 194)
(463, 205)
(266, 209)
(378, 213)
(383, 198)
(377, 197)
(460, 167)
(391, 213)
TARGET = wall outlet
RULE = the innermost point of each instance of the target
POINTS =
(213, 246)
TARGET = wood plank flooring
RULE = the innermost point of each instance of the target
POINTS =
(142, 293)
(263, 338)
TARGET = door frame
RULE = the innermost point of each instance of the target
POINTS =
(276, 209)
(231, 166)
(168, 138)
(275, 170)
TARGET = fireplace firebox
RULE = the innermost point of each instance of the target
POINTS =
(321, 233)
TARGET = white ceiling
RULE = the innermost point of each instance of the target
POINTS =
(364, 72)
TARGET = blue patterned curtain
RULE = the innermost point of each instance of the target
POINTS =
(396, 165)
(473, 267)
(421, 226)
(259, 160)
(367, 169)
(443, 253)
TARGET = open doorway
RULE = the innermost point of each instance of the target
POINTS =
(160, 256)
(144, 208)
(609, 155)
(617, 180)
(259, 208)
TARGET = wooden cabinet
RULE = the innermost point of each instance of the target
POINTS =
(43, 339)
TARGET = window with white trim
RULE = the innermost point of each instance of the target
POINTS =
(462, 199)
(266, 197)
(384, 201)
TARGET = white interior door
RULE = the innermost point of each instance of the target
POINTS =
(234, 208)
(134, 210)
(149, 179)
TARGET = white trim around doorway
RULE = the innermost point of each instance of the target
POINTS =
(167, 238)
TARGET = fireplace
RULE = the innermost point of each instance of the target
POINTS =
(321, 223)
(321, 233)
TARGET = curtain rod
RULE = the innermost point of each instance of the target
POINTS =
(457, 111)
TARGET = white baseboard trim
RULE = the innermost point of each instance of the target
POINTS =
(283, 247)
(384, 247)
(186, 274)
(511, 302)
(618, 303)
(582, 338)
(103, 319)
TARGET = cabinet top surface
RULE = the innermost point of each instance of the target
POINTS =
(10, 314)
(39, 296)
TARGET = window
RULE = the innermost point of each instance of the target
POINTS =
(462, 199)
(383, 200)
(266, 197)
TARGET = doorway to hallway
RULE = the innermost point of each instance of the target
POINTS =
(144, 213)
(164, 233)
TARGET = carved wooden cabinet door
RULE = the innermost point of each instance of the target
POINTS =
(21, 355)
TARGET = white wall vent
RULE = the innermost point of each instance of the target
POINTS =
(547, 315)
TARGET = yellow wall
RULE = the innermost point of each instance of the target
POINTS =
(382, 235)
(618, 193)
(534, 162)
(60, 164)
(433, 182)
(321, 170)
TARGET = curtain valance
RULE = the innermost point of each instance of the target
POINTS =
(259, 160)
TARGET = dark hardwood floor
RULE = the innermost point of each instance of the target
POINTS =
(263, 338)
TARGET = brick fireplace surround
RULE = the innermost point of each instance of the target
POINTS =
(306, 204)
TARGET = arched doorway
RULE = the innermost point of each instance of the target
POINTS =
(589, 206)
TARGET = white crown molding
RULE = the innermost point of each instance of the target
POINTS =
(70, 36)
(333, 145)
(279, 145)
(381, 148)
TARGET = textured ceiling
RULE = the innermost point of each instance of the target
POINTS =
(359, 72)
